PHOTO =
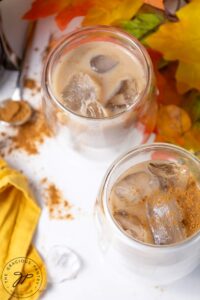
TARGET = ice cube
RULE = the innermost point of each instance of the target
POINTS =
(118, 101)
(163, 169)
(133, 226)
(170, 174)
(103, 63)
(129, 90)
(124, 97)
(62, 264)
(94, 110)
(165, 219)
(136, 186)
(117, 104)
(80, 89)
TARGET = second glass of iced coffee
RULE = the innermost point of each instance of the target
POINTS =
(98, 89)
(148, 213)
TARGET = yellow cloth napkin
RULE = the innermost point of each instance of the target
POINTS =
(19, 215)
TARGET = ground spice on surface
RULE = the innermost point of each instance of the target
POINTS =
(51, 44)
(30, 135)
(30, 83)
(33, 85)
(58, 207)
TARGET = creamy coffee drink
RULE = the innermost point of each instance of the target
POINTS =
(98, 79)
(157, 202)
(99, 91)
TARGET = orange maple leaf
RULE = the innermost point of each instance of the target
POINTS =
(111, 12)
(70, 12)
(45, 8)
(156, 3)
(95, 11)
(65, 10)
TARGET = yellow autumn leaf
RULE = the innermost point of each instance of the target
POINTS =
(111, 11)
(181, 41)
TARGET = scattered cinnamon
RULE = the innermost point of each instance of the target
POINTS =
(188, 200)
(5, 145)
(43, 180)
(51, 44)
(58, 207)
(31, 134)
(30, 83)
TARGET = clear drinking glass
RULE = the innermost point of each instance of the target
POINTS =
(128, 128)
(158, 264)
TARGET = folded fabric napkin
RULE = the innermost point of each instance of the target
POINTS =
(22, 271)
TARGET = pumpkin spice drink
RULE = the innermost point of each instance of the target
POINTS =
(98, 79)
(157, 202)
(98, 83)
(148, 213)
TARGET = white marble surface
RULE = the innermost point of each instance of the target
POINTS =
(79, 179)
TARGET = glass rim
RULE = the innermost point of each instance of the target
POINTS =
(127, 239)
(71, 37)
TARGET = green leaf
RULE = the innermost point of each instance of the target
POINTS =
(142, 24)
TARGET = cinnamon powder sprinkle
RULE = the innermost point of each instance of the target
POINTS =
(51, 44)
(189, 201)
(58, 207)
(16, 112)
(30, 83)
(30, 135)
(9, 110)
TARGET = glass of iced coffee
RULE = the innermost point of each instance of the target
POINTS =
(148, 213)
(99, 90)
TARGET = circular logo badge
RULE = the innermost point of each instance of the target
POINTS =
(22, 277)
